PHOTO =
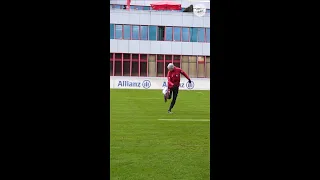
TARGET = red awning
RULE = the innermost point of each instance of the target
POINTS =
(165, 5)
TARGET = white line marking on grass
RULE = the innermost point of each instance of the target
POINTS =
(141, 98)
(184, 119)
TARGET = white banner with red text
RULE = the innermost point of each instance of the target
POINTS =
(126, 82)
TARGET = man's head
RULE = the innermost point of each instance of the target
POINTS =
(170, 67)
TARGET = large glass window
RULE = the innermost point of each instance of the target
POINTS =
(135, 32)
(118, 65)
(153, 33)
(176, 60)
(160, 69)
(132, 7)
(118, 31)
(143, 65)
(111, 31)
(169, 33)
(185, 34)
(111, 64)
(201, 33)
(160, 33)
(126, 32)
(193, 34)
(177, 34)
(168, 59)
(207, 34)
(116, 6)
(126, 64)
(143, 68)
(135, 65)
(144, 32)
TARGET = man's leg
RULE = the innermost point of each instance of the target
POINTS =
(175, 95)
(170, 94)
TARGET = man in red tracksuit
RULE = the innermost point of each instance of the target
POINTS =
(174, 83)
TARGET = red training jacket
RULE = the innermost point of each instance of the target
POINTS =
(174, 77)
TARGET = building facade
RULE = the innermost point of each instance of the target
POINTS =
(144, 41)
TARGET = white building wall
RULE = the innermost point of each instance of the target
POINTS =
(184, 3)
(160, 18)
(159, 47)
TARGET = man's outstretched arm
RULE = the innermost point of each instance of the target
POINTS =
(185, 75)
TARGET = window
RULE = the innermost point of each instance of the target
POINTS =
(160, 57)
(168, 59)
(118, 31)
(201, 33)
(126, 32)
(193, 34)
(135, 32)
(126, 57)
(135, 68)
(146, 7)
(135, 65)
(115, 6)
(143, 68)
(111, 64)
(182, 9)
(118, 65)
(143, 57)
(160, 33)
(208, 11)
(118, 68)
(144, 32)
(111, 31)
(135, 57)
(126, 68)
(118, 56)
(207, 34)
(143, 65)
(160, 65)
(139, 7)
(168, 33)
(126, 64)
(160, 69)
(185, 34)
(176, 60)
(177, 34)
(153, 33)
(132, 7)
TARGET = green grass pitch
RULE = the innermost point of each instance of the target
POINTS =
(142, 147)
